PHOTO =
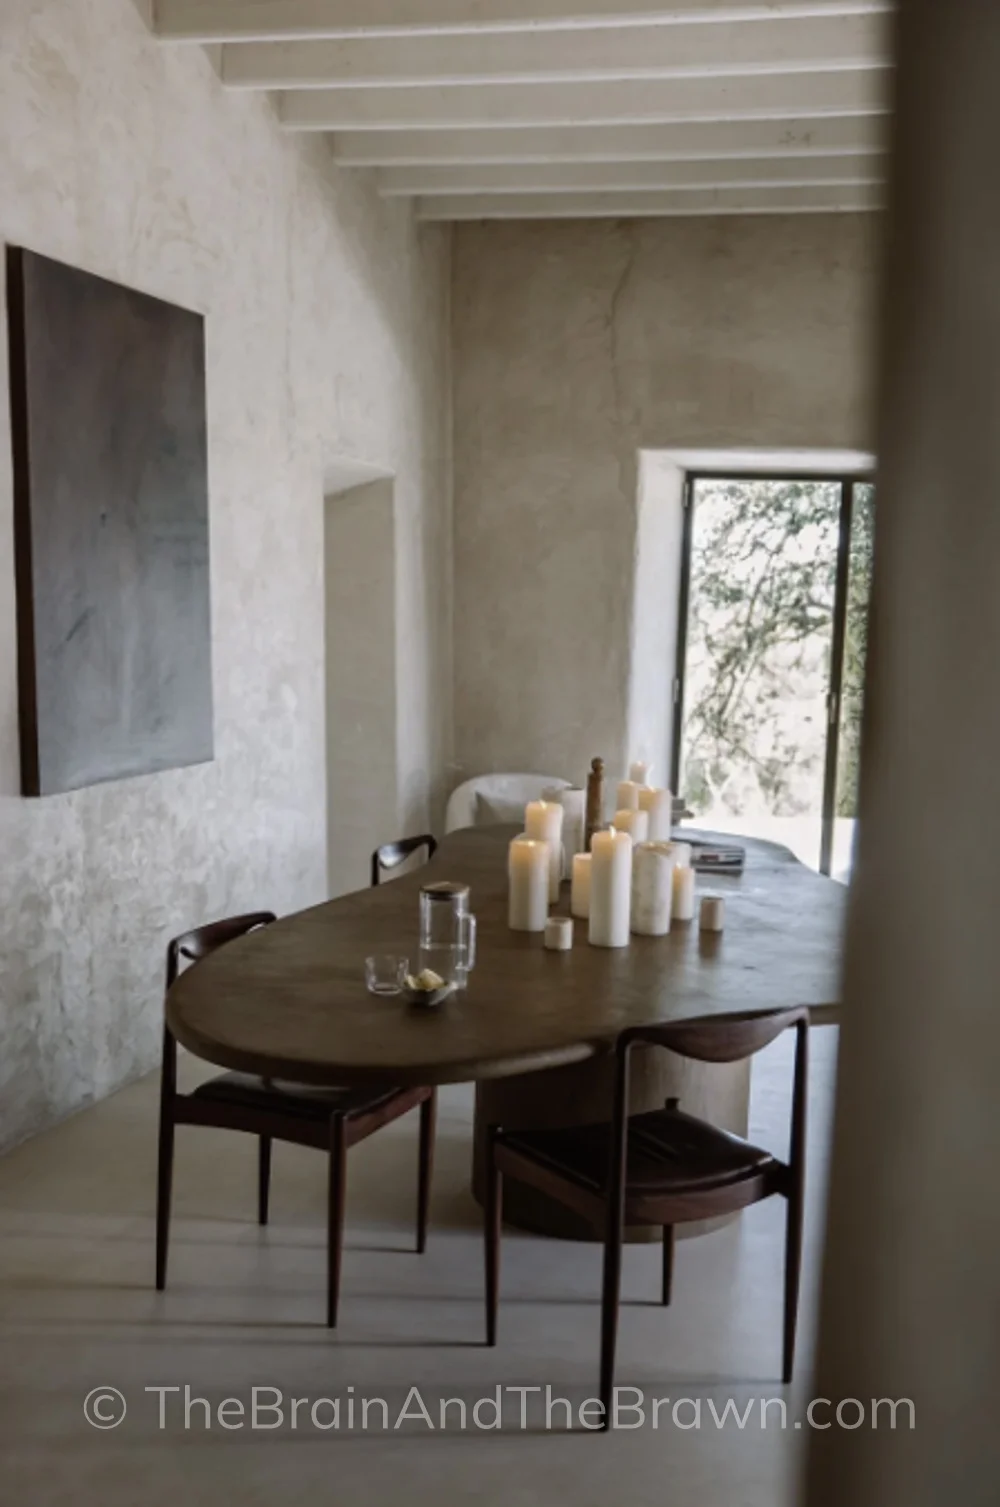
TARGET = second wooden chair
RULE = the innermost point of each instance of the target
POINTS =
(391, 854)
(331, 1120)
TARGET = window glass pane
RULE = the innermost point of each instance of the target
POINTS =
(760, 632)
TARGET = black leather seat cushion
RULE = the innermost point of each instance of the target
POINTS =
(283, 1098)
(668, 1152)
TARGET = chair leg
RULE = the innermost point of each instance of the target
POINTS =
(609, 1313)
(492, 1216)
(793, 1267)
(264, 1179)
(668, 1262)
(428, 1115)
(164, 1183)
(335, 1216)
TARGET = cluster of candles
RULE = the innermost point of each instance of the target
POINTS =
(634, 879)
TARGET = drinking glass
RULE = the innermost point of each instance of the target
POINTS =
(385, 972)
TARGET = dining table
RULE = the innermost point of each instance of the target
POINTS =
(534, 1028)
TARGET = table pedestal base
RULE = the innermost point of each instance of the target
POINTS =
(576, 1095)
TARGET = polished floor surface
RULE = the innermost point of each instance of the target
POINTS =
(244, 1310)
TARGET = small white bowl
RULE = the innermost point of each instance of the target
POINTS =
(427, 999)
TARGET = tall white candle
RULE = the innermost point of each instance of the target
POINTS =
(682, 852)
(652, 888)
(528, 876)
(610, 888)
(543, 821)
(683, 908)
(638, 772)
(574, 804)
(635, 823)
(628, 796)
(659, 805)
(579, 899)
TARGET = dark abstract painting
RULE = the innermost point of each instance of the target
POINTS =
(111, 528)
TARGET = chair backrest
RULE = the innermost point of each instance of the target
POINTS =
(724, 1038)
(391, 854)
(197, 944)
(515, 790)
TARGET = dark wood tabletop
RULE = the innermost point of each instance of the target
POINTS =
(290, 1001)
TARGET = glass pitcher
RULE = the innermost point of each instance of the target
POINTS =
(447, 931)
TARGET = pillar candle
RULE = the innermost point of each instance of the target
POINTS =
(579, 902)
(712, 916)
(574, 804)
(652, 888)
(682, 852)
(683, 908)
(635, 823)
(628, 796)
(543, 821)
(659, 805)
(638, 772)
(528, 875)
(610, 888)
(559, 934)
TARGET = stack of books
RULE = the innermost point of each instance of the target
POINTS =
(716, 857)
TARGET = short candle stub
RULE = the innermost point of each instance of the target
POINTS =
(712, 916)
(559, 933)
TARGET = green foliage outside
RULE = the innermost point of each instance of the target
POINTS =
(764, 561)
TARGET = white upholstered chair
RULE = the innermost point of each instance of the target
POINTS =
(504, 797)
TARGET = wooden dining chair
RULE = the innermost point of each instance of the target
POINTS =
(391, 854)
(662, 1168)
(332, 1120)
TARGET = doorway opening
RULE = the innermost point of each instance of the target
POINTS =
(361, 743)
(772, 640)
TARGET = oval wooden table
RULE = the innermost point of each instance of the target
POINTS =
(533, 1028)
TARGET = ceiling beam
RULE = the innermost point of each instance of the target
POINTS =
(670, 142)
(671, 202)
(284, 20)
(761, 96)
(589, 53)
(624, 177)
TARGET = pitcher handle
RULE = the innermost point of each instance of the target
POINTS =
(469, 939)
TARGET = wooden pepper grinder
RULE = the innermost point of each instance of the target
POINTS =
(595, 801)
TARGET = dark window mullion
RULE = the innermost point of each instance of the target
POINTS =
(677, 688)
(836, 676)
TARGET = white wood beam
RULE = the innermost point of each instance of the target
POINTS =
(283, 20)
(762, 96)
(589, 53)
(625, 177)
(670, 142)
(668, 202)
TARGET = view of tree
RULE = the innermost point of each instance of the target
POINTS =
(760, 630)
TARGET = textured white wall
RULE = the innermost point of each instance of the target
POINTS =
(327, 337)
(576, 344)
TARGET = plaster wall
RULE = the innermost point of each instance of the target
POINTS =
(576, 346)
(327, 335)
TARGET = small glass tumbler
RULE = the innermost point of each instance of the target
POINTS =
(385, 973)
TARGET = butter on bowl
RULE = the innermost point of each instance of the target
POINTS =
(426, 989)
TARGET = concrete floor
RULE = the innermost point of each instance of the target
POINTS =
(244, 1308)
